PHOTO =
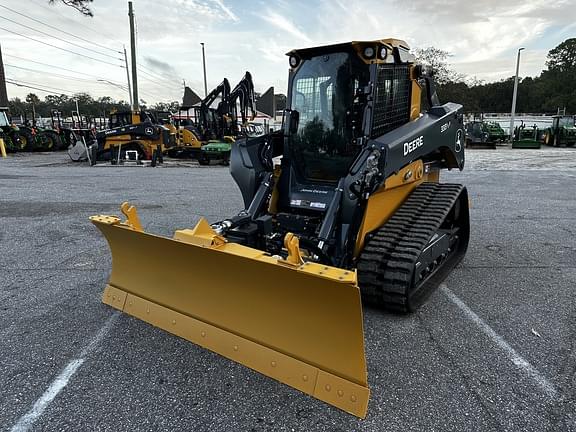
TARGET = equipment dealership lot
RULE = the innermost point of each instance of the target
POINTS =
(494, 349)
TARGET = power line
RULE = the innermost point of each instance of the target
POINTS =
(60, 30)
(115, 84)
(35, 86)
(43, 85)
(155, 73)
(165, 83)
(60, 48)
(39, 87)
(84, 26)
(19, 84)
(60, 39)
(50, 73)
(68, 77)
(58, 67)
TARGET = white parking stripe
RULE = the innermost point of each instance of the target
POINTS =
(518, 361)
(28, 419)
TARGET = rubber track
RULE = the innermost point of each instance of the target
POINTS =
(386, 264)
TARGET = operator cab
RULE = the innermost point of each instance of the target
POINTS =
(564, 121)
(4, 119)
(329, 121)
(324, 93)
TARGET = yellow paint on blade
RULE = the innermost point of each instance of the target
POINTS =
(299, 324)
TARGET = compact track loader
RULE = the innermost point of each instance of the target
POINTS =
(134, 130)
(354, 210)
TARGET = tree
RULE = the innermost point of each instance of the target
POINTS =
(437, 60)
(172, 107)
(32, 99)
(17, 106)
(563, 57)
(80, 5)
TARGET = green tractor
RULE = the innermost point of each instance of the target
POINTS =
(216, 149)
(33, 138)
(9, 133)
(478, 136)
(562, 131)
(495, 132)
(526, 138)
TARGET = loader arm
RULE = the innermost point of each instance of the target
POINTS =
(242, 100)
(209, 120)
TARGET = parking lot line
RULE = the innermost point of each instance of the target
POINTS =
(27, 420)
(522, 364)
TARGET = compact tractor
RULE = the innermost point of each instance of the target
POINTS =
(562, 131)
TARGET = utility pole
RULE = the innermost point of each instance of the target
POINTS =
(133, 58)
(204, 66)
(514, 96)
(128, 77)
(3, 92)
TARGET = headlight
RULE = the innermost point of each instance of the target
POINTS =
(294, 61)
(369, 52)
(383, 53)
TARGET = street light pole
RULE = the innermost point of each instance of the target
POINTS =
(204, 66)
(514, 96)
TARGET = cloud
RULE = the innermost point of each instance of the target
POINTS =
(283, 23)
(226, 10)
(159, 65)
(482, 37)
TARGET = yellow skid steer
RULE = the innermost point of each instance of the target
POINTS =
(353, 211)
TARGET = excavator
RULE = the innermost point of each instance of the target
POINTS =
(232, 114)
(216, 128)
(192, 135)
(353, 213)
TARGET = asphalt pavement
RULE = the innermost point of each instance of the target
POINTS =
(493, 350)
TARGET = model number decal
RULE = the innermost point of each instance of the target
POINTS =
(410, 146)
(444, 127)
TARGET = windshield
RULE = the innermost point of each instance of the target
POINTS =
(567, 121)
(323, 92)
(3, 119)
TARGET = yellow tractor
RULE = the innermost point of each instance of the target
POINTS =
(138, 131)
(354, 210)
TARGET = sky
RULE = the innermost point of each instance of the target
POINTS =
(253, 35)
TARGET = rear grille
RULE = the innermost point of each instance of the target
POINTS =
(392, 100)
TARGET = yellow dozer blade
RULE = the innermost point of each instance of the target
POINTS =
(299, 323)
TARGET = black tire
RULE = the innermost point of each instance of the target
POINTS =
(55, 140)
(204, 160)
(174, 153)
(44, 142)
(27, 140)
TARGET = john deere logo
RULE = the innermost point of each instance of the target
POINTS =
(458, 145)
(149, 131)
